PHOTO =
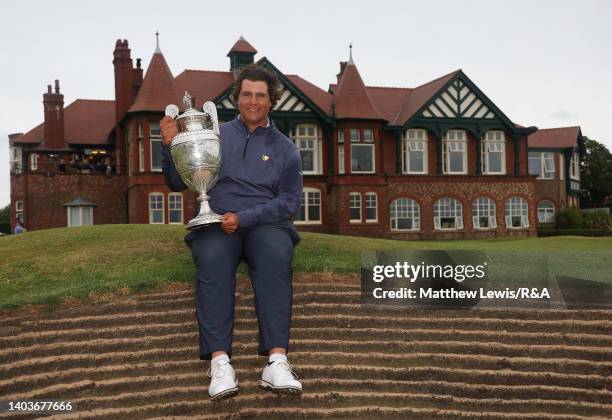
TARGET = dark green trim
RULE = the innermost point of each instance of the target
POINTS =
(478, 155)
(330, 150)
(517, 154)
(439, 154)
(450, 108)
(398, 152)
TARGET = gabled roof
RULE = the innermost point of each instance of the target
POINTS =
(351, 98)
(242, 46)
(555, 138)
(419, 97)
(157, 89)
(202, 85)
(388, 100)
(320, 97)
(86, 121)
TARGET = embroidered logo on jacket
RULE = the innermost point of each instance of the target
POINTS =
(265, 157)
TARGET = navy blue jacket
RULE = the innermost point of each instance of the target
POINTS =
(260, 178)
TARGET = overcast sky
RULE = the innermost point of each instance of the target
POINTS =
(543, 63)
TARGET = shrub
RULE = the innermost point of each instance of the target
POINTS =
(568, 218)
(597, 220)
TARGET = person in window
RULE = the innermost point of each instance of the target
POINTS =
(258, 191)
(19, 228)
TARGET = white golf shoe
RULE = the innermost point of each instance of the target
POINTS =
(223, 382)
(278, 377)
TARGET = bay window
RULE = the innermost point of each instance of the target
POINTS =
(156, 147)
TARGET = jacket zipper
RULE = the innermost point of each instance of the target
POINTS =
(246, 145)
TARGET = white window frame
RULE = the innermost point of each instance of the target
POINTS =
(544, 159)
(575, 166)
(404, 208)
(141, 155)
(368, 138)
(341, 159)
(357, 137)
(171, 209)
(493, 139)
(414, 140)
(516, 205)
(154, 138)
(15, 159)
(34, 161)
(455, 139)
(302, 139)
(368, 205)
(340, 135)
(454, 206)
(484, 207)
(19, 210)
(139, 130)
(371, 146)
(151, 210)
(306, 203)
(81, 209)
(355, 203)
(547, 213)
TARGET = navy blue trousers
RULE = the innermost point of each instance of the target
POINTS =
(268, 253)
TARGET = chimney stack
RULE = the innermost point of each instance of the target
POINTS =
(124, 75)
(342, 67)
(53, 104)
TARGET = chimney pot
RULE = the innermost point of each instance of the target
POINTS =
(48, 88)
(138, 63)
(57, 88)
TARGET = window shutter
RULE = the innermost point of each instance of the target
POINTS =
(508, 224)
(475, 222)
(459, 221)
(437, 223)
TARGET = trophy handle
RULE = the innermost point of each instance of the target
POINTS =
(211, 109)
(172, 111)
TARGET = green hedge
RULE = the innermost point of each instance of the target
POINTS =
(551, 231)
(5, 227)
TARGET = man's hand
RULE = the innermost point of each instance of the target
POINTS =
(230, 222)
(169, 129)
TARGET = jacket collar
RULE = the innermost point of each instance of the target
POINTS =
(242, 126)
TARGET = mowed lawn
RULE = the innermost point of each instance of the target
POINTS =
(48, 266)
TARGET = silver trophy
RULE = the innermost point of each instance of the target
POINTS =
(196, 151)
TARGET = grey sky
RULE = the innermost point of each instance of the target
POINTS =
(544, 63)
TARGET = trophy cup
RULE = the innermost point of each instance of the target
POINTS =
(196, 151)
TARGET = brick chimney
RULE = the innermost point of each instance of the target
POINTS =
(124, 77)
(53, 103)
(342, 67)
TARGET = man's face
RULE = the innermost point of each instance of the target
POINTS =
(254, 102)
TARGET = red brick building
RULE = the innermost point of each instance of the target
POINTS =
(440, 160)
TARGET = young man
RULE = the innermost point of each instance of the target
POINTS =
(258, 191)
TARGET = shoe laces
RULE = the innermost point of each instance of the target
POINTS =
(218, 370)
(287, 366)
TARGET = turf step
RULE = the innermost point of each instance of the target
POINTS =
(252, 362)
(308, 327)
(308, 317)
(474, 376)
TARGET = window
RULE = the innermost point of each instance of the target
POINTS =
(546, 212)
(340, 135)
(561, 166)
(156, 147)
(341, 158)
(80, 216)
(483, 213)
(448, 214)
(307, 140)
(542, 164)
(493, 153)
(139, 130)
(405, 214)
(368, 135)
(355, 135)
(156, 208)
(371, 207)
(362, 158)
(34, 161)
(414, 153)
(355, 207)
(15, 159)
(516, 213)
(19, 210)
(310, 210)
(575, 166)
(175, 208)
(455, 152)
(141, 155)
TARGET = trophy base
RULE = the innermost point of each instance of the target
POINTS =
(203, 220)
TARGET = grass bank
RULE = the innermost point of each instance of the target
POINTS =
(45, 267)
